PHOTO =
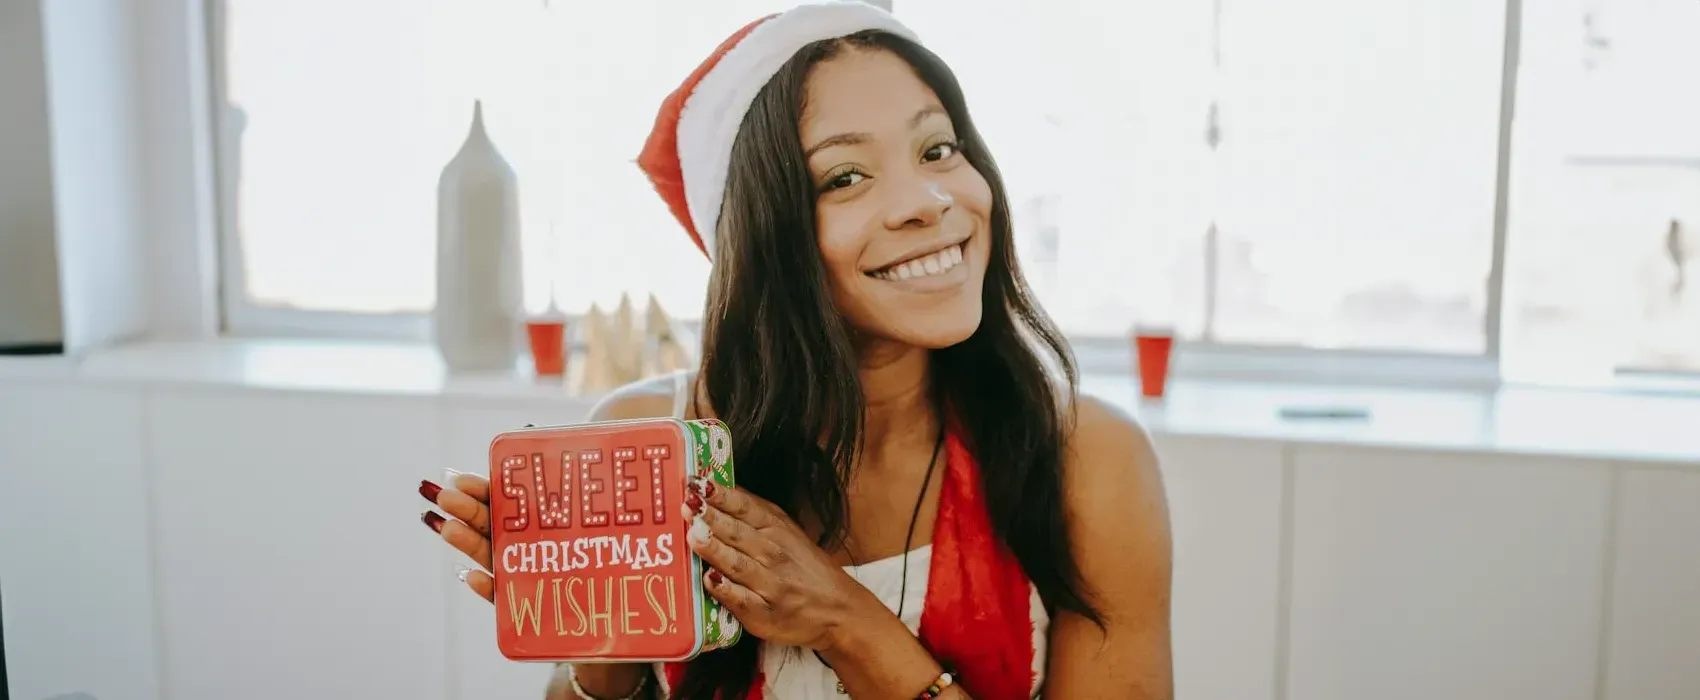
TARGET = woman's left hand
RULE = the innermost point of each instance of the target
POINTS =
(770, 574)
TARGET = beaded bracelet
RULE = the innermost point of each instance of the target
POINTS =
(937, 688)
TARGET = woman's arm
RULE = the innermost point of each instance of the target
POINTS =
(787, 591)
(881, 658)
(1118, 520)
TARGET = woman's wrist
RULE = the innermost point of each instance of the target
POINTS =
(864, 624)
(610, 681)
(877, 655)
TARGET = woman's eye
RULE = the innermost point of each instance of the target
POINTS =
(845, 180)
(939, 152)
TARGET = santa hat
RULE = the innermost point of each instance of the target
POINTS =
(690, 149)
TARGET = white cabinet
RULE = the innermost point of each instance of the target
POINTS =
(292, 560)
(1225, 515)
(1422, 575)
(75, 554)
(1653, 642)
(207, 542)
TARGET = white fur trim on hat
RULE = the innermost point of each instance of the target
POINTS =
(711, 115)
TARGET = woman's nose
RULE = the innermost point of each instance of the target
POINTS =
(920, 204)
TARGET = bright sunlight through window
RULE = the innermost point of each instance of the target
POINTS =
(1316, 174)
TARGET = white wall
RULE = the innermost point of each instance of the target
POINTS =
(90, 56)
(208, 542)
(106, 203)
(29, 264)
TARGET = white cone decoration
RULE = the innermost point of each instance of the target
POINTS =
(480, 303)
(599, 340)
(627, 355)
(667, 345)
(619, 350)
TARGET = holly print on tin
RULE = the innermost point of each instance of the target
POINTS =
(714, 461)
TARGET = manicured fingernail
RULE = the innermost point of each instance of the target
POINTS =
(429, 490)
(433, 520)
(714, 578)
(708, 488)
(461, 572)
(693, 502)
(698, 534)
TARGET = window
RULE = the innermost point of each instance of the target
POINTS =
(1308, 176)
(340, 115)
(1314, 173)
(1605, 210)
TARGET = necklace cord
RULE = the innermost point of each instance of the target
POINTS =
(914, 517)
(908, 539)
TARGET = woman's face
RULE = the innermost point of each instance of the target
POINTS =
(903, 218)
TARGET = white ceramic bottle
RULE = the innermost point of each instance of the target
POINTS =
(478, 321)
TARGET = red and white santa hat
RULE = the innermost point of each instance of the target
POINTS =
(690, 149)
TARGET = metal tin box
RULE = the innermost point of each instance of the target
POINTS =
(588, 544)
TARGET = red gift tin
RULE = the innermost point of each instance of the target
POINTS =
(588, 543)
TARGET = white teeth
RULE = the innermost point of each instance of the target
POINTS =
(934, 264)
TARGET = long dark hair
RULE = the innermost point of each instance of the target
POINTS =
(780, 365)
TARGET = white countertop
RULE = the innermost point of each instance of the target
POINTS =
(347, 367)
(1520, 420)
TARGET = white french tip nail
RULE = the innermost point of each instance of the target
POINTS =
(461, 572)
(699, 530)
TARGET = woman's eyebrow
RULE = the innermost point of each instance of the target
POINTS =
(852, 138)
(855, 138)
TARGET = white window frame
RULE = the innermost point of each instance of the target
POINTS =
(1204, 358)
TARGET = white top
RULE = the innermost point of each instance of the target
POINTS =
(795, 673)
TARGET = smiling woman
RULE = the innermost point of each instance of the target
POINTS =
(899, 200)
(926, 508)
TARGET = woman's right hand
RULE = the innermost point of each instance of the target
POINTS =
(466, 499)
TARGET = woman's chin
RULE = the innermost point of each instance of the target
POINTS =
(938, 331)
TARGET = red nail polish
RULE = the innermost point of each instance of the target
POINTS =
(714, 577)
(694, 502)
(707, 489)
(433, 520)
(429, 490)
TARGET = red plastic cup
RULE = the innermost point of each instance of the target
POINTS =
(548, 346)
(1152, 349)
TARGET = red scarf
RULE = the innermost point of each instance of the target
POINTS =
(976, 619)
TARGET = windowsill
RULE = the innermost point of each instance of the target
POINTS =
(1512, 420)
(323, 366)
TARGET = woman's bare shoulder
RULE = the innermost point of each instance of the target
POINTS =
(1097, 421)
(1108, 448)
(646, 398)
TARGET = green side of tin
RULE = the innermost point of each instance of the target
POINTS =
(713, 461)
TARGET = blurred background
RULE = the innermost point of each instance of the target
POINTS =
(1433, 426)
(1321, 174)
